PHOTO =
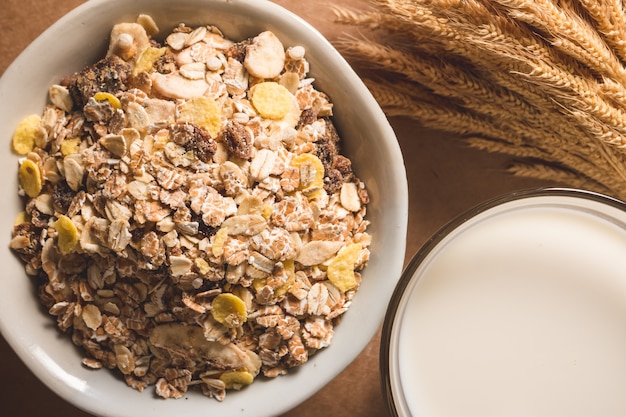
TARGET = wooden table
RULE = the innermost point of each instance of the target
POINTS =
(445, 178)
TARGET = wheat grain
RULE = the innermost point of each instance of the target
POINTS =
(539, 80)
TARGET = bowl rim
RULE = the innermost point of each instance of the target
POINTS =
(280, 14)
(391, 397)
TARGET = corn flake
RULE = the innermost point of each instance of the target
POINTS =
(202, 266)
(291, 274)
(203, 112)
(311, 171)
(147, 58)
(229, 310)
(22, 217)
(68, 234)
(25, 134)
(341, 268)
(271, 100)
(29, 176)
(113, 101)
(69, 146)
(236, 379)
(218, 242)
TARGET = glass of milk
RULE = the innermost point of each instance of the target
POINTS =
(515, 309)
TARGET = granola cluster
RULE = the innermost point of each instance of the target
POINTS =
(188, 217)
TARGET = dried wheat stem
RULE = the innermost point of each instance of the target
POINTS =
(568, 32)
(609, 23)
(506, 47)
(445, 79)
(439, 113)
(370, 20)
(499, 50)
(559, 175)
(443, 115)
(601, 169)
(579, 94)
(502, 83)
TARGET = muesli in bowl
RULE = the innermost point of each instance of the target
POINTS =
(188, 213)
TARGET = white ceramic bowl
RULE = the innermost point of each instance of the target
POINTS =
(80, 38)
(516, 308)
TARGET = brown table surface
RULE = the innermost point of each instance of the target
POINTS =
(445, 178)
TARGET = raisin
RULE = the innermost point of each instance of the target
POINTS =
(332, 181)
(205, 147)
(344, 166)
(182, 134)
(165, 64)
(98, 111)
(28, 231)
(238, 51)
(238, 141)
(307, 117)
(193, 138)
(62, 196)
(109, 75)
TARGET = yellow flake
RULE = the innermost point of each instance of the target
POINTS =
(259, 283)
(202, 266)
(271, 100)
(147, 58)
(113, 101)
(25, 134)
(267, 211)
(69, 146)
(68, 234)
(218, 242)
(311, 171)
(204, 112)
(236, 379)
(289, 267)
(22, 217)
(229, 310)
(29, 176)
(250, 205)
(341, 268)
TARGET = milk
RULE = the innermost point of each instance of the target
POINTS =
(519, 313)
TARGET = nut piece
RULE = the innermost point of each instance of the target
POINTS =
(128, 40)
(116, 144)
(349, 196)
(265, 56)
(148, 23)
(74, 171)
(60, 97)
(316, 252)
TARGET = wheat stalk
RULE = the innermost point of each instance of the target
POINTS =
(543, 81)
